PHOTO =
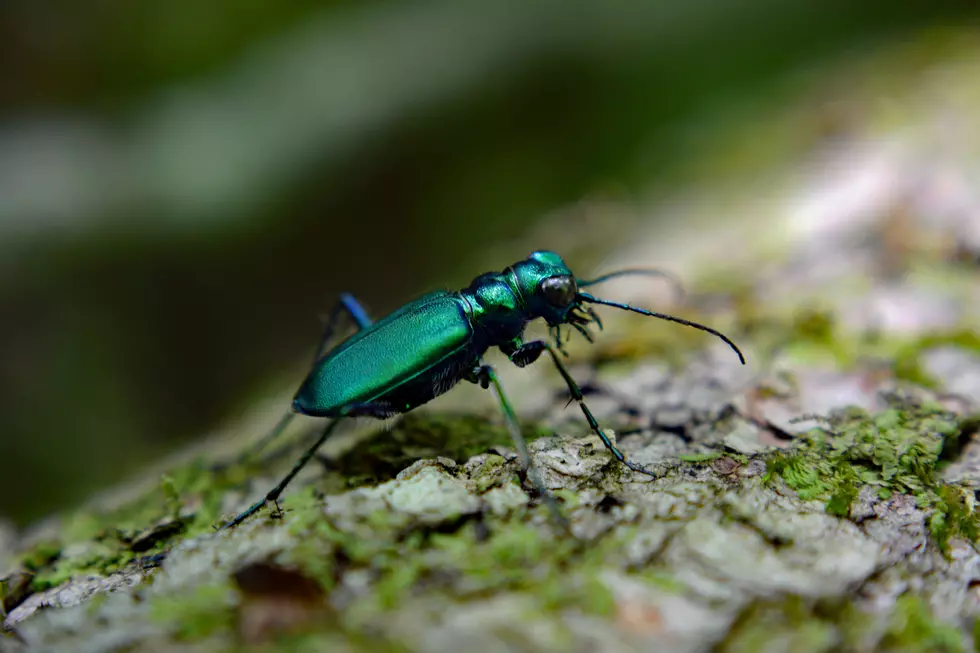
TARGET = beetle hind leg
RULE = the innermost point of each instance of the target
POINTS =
(273, 495)
(346, 304)
(376, 409)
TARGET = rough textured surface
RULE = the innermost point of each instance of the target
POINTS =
(821, 498)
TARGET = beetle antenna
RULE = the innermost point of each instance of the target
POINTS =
(586, 297)
(647, 272)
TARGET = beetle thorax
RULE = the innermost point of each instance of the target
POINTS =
(497, 306)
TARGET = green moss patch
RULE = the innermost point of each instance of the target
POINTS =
(913, 628)
(208, 610)
(464, 560)
(899, 450)
(187, 502)
(795, 624)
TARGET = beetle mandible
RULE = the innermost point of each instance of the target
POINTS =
(427, 346)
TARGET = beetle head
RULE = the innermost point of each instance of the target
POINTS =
(547, 286)
(551, 291)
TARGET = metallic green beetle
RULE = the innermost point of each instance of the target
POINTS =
(426, 347)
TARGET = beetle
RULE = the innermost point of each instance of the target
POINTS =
(427, 346)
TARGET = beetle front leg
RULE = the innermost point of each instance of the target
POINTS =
(526, 353)
(576, 393)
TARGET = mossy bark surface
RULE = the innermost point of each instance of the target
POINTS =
(821, 498)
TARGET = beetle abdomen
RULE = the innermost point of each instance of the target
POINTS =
(387, 355)
(437, 380)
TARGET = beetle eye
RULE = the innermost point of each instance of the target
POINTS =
(559, 291)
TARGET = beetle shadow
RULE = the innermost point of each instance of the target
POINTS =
(415, 436)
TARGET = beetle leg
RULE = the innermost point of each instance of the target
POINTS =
(349, 304)
(378, 409)
(274, 494)
(555, 332)
(527, 353)
(480, 376)
(487, 371)
(576, 393)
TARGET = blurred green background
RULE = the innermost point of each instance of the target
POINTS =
(186, 185)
